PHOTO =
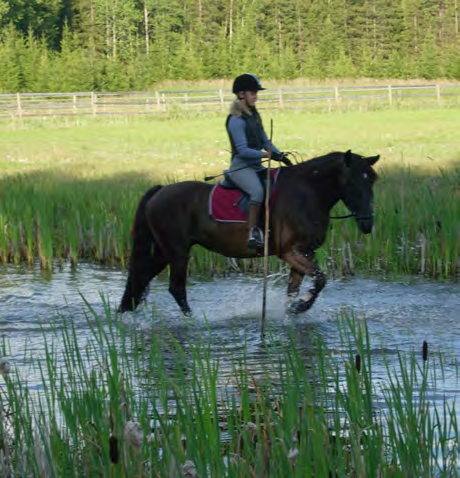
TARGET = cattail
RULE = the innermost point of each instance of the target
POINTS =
(41, 456)
(113, 449)
(292, 455)
(252, 427)
(358, 363)
(5, 367)
(134, 435)
(425, 351)
(189, 469)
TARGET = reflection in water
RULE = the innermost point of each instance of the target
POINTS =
(400, 316)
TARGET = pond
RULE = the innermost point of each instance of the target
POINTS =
(400, 313)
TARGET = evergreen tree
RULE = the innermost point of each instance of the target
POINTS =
(36, 69)
(429, 65)
(117, 44)
(72, 70)
(11, 47)
(45, 18)
(4, 7)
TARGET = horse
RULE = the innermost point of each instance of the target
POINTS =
(171, 219)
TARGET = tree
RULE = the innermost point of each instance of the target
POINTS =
(11, 47)
(429, 65)
(119, 20)
(36, 67)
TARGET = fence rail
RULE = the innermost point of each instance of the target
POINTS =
(21, 105)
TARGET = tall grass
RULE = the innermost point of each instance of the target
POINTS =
(69, 188)
(126, 402)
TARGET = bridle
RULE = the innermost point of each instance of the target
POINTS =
(353, 214)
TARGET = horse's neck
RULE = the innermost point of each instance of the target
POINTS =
(329, 192)
(326, 188)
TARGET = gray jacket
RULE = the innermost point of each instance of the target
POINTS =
(247, 138)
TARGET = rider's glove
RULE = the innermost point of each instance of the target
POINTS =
(282, 158)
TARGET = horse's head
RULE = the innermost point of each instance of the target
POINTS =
(358, 188)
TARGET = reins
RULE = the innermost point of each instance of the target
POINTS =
(210, 178)
(294, 154)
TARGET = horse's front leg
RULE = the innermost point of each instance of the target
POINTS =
(305, 264)
(295, 281)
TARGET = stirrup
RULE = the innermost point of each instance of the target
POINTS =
(256, 238)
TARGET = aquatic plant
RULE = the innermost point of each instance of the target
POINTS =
(126, 401)
(77, 202)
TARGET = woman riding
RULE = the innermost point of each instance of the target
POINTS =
(248, 139)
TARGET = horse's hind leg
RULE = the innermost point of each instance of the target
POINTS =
(177, 282)
(141, 271)
(305, 264)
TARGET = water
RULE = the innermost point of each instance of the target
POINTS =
(400, 314)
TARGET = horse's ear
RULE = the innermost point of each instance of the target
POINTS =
(372, 160)
(347, 158)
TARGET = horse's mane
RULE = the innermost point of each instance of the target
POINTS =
(322, 165)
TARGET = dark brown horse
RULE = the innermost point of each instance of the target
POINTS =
(171, 219)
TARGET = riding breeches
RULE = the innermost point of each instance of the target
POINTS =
(248, 180)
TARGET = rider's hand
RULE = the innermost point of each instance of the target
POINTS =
(285, 160)
(282, 158)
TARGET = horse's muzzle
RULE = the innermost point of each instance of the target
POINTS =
(365, 224)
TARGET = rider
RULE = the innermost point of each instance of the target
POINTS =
(247, 139)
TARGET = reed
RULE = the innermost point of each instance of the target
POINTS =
(121, 401)
(77, 201)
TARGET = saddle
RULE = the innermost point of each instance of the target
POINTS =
(228, 203)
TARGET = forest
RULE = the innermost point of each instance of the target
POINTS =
(121, 45)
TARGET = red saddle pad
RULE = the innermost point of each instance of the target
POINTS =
(225, 204)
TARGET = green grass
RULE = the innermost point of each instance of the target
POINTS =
(69, 187)
(190, 146)
(304, 414)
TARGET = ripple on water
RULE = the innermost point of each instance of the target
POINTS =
(400, 315)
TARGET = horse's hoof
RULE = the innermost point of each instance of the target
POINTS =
(122, 308)
(299, 306)
(187, 312)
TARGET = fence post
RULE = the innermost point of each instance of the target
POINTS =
(390, 95)
(74, 104)
(336, 94)
(93, 103)
(19, 107)
(163, 99)
(280, 97)
(438, 94)
(221, 97)
(157, 96)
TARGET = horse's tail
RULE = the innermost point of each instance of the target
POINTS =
(139, 230)
(140, 262)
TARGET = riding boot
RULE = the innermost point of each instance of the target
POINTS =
(256, 236)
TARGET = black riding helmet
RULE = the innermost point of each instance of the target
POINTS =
(246, 82)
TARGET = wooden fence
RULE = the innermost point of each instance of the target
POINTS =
(23, 105)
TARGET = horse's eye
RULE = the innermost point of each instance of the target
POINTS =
(365, 176)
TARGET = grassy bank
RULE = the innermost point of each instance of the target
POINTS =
(128, 402)
(69, 187)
